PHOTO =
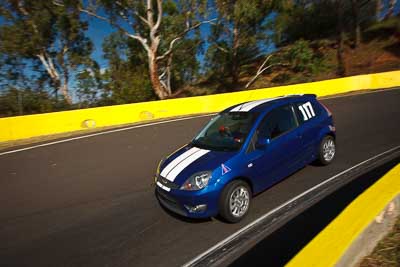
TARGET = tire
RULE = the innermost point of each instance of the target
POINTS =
(230, 209)
(326, 150)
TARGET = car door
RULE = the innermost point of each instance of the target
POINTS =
(282, 155)
(308, 114)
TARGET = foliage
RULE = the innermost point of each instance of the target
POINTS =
(237, 39)
(126, 60)
(164, 48)
(303, 58)
(159, 27)
(307, 20)
(383, 29)
(50, 37)
(27, 101)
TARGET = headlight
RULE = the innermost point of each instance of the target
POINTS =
(197, 181)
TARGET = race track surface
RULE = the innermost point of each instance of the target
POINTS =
(90, 202)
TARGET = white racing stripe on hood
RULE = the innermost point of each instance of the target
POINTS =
(182, 165)
(178, 160)
(250, 105)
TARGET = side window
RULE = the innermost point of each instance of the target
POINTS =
(277, 122)
(306, 111)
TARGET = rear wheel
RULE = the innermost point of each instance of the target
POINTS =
(235, 201)
(327, 150)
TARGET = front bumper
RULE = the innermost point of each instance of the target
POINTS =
(178, 201)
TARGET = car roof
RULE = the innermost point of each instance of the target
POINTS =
(261, 105)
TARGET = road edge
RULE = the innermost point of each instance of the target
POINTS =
(13, 146)
(227, 250)
(355, 232)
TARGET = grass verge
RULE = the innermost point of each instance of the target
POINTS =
(387, 252)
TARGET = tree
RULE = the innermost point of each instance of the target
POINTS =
(54, 36)
(341, 70)
(18, 94)
(320, 19)
(264, 67)
(125, 80)
(355, 6)
(89, 84)
(306, 19)
(147, 24)
(378, 9)
(238, 37)
(391, 6)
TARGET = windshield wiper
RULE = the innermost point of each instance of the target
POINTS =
(215, 148)
(197, 144)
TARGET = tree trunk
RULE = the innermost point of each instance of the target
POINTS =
(169, 73)
(235, 63)
(64, 86)
(378, 10)
(64, 92)
(356, 20)
(155, 78)
(55, 76)
(341, 70)
(392, 4)
(152, 22)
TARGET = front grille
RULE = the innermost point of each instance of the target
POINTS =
(166, 197)
(167, 182)
(169, 202)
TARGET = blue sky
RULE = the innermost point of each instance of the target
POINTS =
(97, 32)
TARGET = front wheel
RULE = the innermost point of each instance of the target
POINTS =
(235, 201)
(327, 150)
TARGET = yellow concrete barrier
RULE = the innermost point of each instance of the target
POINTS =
(331, 244)
(21, 127)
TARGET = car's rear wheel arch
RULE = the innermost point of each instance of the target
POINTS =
(324, 132)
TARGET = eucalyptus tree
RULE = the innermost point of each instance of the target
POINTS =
(38, 31)
(237, 37)
(159, 26)
(391, 7)
(125, 79)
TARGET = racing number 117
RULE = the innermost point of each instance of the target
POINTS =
(307, 111)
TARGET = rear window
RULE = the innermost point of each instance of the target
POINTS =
(277, 122)
(307, 110)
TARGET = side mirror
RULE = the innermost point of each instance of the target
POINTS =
(263, 143)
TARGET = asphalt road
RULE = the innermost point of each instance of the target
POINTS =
(90, 202)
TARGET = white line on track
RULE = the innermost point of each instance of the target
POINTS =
(252, 224)
(155, 123)
(101, 133)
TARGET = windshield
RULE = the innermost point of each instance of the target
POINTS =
(225, 132)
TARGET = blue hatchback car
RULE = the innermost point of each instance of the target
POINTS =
(242, 151)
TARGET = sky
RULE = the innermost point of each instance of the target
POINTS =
(98, 30)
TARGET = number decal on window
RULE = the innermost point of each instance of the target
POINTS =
(307, 111)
